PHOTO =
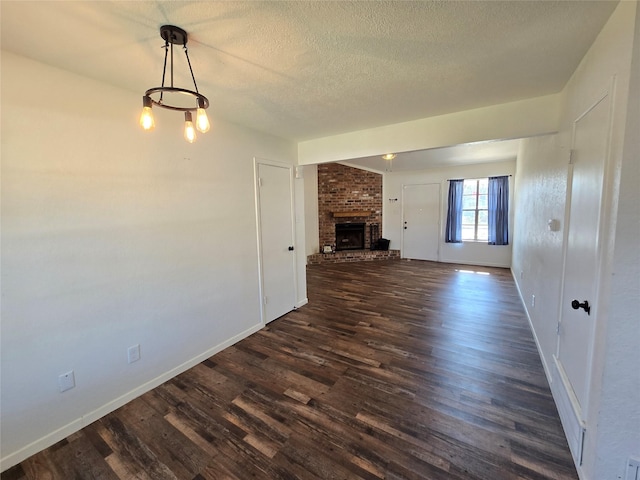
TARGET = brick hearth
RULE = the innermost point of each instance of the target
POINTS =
(353, 256)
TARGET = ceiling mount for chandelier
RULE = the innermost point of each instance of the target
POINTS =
(162, 96)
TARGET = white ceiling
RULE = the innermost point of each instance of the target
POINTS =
(467, 154)
(308, 69)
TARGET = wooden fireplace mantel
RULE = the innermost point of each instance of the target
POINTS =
(359, 213)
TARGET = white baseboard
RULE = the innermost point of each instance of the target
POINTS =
(476, 264)
(570, 413)
(545, 365)
(302, 302)
(18, 456)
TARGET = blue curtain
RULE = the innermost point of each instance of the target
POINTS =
(499, 210)
(453, 233)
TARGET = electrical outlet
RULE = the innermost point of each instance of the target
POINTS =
(533, 301)
(133, 353)
(67, 381)
(633, 469)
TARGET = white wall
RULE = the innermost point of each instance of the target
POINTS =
(618, 435)
(312, 229)
(301, 243)
(466, 253)
(534, 116)
(112, 237)
(613, 417)
(540, 192)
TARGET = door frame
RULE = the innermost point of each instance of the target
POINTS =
(257, 161)
(574, 417)
(402, 212)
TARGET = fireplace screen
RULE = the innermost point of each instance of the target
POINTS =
(350, 236)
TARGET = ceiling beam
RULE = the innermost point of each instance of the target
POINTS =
(525, 118)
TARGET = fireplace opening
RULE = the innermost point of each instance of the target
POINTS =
(350, 236)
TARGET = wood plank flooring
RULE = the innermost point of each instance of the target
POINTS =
(394, 370)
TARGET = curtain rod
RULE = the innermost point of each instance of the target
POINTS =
(449, 179)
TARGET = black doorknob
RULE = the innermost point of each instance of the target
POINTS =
(576, 305)
(291, 248)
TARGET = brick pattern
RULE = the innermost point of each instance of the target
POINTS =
(353, 256)
(347, 189)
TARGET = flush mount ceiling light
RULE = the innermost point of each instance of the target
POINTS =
(389, 158)
(166, 97)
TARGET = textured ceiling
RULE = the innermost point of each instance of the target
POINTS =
(303, 70)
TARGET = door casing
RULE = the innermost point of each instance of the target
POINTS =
(572, 376)
(270, 307)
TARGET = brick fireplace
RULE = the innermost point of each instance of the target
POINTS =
(347, 195)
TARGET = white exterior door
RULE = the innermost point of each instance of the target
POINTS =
(421, 221)
(577, 325)
(276, 239)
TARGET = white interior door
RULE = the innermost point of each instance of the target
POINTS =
(276, 232)
(421, 221)
(577, 327)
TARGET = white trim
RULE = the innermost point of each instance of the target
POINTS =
(582, 411)
(256, 186)
(569, 411)
(476, 264)
(545, 366)
(361, 167)
(44, 442)
(573, 413)
(302, 302)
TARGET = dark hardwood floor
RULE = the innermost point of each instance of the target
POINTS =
(394, 370)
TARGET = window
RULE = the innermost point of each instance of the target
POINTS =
(478, 211)
(475, 213)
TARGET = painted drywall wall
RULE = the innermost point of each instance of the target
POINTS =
(613, 414)
(469, 253)
(524, 118)
(312, 234)
(618, 434)
(540, 192)
(111, 237)
(300, 229)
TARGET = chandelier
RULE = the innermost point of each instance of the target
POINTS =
(163, 96)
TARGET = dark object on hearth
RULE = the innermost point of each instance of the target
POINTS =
(374, 235)
(381, 244)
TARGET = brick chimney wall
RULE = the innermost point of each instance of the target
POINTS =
(345, 189)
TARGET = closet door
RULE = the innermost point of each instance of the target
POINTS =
(276, 238)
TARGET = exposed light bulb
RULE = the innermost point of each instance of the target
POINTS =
(146, 117)
(202, 121)
(189, 130)
(389, 156)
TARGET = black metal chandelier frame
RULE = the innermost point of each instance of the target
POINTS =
(173, 35)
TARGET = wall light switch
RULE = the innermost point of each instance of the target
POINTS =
(133, 353)
(67, 381)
